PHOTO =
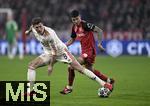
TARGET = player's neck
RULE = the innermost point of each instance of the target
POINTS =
(43, 32)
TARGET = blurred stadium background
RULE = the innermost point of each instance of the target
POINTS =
(126, 26)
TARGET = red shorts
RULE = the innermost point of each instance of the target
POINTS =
(89, 57)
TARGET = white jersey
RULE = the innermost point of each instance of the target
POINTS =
(50, 42)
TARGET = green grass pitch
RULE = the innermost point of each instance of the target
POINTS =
(132, 75)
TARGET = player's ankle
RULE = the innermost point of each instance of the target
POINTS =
(111, 80)
(69, 87)
(109, 86)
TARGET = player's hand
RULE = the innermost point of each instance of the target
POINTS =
(50, 66)
(102, 49)
(50, 69)
(27, 32)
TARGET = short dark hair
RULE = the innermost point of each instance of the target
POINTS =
(36, 20)
(74, 13)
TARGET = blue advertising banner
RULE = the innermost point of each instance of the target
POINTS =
(114, 48)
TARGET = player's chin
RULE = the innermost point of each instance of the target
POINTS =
(39, 32)
(75, 23)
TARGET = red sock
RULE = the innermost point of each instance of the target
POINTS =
(71, 76)
(100, 75)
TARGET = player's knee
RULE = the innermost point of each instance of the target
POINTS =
(70, 68)
(31, 66)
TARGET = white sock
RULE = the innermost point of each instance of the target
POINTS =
(91, 75)
(69, 87)
(31, 77)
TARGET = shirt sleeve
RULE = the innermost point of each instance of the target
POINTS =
(88, 26)
(73, 34)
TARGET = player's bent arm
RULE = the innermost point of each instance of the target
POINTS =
(52, 61)
(70, 41)
(54, 50)
(50, 65)
(99, 36)
(99, 33)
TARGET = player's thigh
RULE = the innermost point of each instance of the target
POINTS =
(66, 57)
(76, 65)
(40, 61)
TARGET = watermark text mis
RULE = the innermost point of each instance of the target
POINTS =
(14, 93)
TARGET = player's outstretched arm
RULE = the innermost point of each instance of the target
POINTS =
(99, 36)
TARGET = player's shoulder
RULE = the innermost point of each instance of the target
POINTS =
(49, 29)
(87, 26)
(84, 22)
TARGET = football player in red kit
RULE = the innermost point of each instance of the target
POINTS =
(83, 31)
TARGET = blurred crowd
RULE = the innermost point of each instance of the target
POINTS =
(110, 15)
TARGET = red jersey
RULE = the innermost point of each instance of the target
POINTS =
(84, 33)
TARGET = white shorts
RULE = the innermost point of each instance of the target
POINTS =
(66, 57)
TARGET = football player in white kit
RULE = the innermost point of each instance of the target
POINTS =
(54, 50)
